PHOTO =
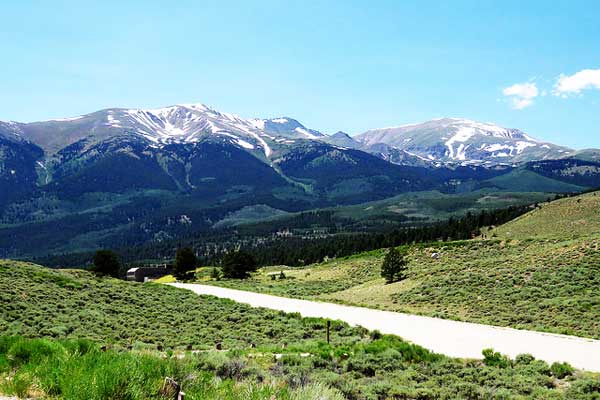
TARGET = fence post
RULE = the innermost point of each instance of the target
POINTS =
(328, 328)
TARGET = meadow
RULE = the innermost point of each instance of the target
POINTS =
(72, 335)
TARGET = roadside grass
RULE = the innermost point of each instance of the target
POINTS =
(544, 285)
(377, 368)
(315, 280)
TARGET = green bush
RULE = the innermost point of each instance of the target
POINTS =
(495, 359)
(561, 370)
(524, 359)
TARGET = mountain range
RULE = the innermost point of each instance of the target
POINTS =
(127, 174)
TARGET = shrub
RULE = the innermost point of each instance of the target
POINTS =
(561, 370)
(215, 274)
(524, 359)
(495, 359)
(24, 351)
(231, 369)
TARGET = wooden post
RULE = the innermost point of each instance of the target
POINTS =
(172, 389)
(328, 328)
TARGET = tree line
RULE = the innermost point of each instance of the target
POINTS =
(301, 250)
(295, 251)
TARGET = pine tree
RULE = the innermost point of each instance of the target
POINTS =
(238, 265)
(185, 261)
(106, 262)
(394, 266)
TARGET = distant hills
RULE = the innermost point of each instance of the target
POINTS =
(125, 173)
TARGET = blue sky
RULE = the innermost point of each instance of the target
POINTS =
(333, 65)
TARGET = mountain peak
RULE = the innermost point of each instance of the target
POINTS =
(340, 134)
(180, 123)
(463, 140)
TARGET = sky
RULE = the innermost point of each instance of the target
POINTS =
(333, 65)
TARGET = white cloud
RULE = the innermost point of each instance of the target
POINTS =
(521, 94)
(573, 84)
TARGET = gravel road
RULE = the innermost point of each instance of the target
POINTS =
(452, 338)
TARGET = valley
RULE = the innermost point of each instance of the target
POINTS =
(137, 177)
(291, 200)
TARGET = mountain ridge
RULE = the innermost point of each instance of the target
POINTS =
(432, 143)
(463, 140)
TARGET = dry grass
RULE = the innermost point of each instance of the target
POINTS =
(565, 218)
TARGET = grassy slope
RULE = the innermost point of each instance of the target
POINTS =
(435, 206)
(37, 302)
(523, 180)
(540, 272)
(560, 219)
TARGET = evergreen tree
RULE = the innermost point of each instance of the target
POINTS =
(106, 262)
(185, 261)
(394, 266)
(238, 265)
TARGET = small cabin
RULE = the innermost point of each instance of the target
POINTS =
(143, 274)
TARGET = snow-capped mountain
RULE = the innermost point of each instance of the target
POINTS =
(194, 148)
(185, 123)
(459, 140)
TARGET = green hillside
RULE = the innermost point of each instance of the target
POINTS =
(152, 331)
(541, 272)
(564, 218)
(525, 180)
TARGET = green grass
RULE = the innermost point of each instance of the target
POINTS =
(539, 272)
(524, 180)
(380, 368)
(560, 219)
(432, 206)
(39, 302)
(145, 331)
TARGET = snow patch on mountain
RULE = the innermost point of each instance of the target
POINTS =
(462, 135)
(66, 119)
(306, 133)
(245, 144)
